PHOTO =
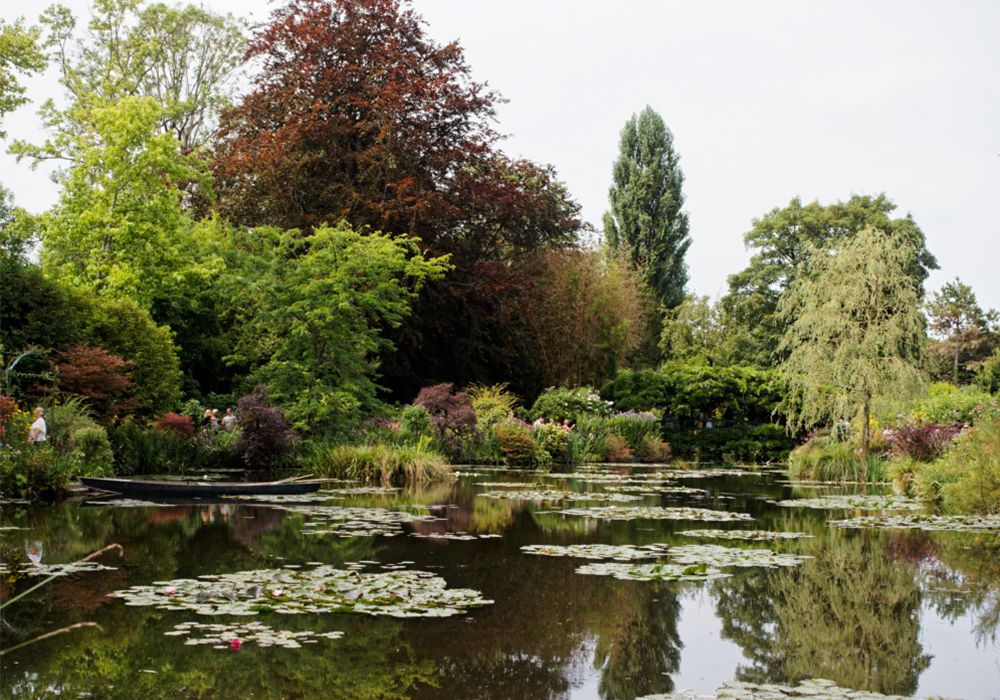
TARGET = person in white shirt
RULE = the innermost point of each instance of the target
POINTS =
(38, 432)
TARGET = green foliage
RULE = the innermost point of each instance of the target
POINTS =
(493, 404)
(823, 459)
(965, 329)
(785, 241)
(946, 403)
(747, 444)
(967, 478)
(141, 450)
(379, 463)
(635, 428)
(314, 307)
(41, 470)
(856, 332)
(646, 200)
(94, 449)
(415, 422)
(988, 374)
(693, 332)
(690, 391)
(551, 443)
(516, 442)
(19, 53)
(564, 403)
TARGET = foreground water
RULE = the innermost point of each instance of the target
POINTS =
(893, 611)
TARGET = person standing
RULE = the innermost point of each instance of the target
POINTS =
(38, 431)
(229, 421)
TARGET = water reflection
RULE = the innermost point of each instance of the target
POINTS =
(851, 614)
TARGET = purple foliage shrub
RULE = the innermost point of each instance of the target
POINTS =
(266, 440)
(453, 416)
(923, 442)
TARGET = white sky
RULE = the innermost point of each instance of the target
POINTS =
(767, 100)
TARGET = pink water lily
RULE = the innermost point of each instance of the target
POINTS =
(235, 644)
(170, 590)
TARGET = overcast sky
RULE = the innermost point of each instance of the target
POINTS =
(767, 101)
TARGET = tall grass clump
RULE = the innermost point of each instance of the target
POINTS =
(401, 465)
(966, 478)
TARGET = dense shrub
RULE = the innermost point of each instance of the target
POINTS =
(516, 442)
(493, 404)
(93, 448)
(693, 391)
(653, 449)
(141, 450)
(171, 422)
(452, 415)
(616, 449)
(825, 459)
(562, 404)
(635, 428)
(742, 443)
(967, 478)
(39, 470)
(922, 442)
(266, 441)
(946, 403)
(551, 442)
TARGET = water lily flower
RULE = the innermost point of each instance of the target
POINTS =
(235, 644)
(170, 590)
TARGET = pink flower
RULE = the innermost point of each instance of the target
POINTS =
(235, 644)
(170, 590)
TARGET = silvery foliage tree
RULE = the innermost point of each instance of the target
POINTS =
(856, 332)
(646, 199)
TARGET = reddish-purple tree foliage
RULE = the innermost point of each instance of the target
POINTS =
(171, 422)
(94, 374)
(266, 440)
(453, 416)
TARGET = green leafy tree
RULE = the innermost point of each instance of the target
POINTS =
(693, 330)
(19, 54)
(964, 328)
(646, 199)
(784, 240)
(118, 227)
(184, 58)
(314, 306)
(855, 331)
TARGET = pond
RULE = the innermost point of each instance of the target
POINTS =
(610, 583)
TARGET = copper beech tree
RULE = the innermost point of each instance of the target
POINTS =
(357, 115)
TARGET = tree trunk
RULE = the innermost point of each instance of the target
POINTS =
(866, 431)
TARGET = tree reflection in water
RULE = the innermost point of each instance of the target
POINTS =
(851, 615)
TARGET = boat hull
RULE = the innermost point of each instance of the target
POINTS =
(138, 487)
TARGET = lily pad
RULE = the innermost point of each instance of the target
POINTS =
(850, 502)
(536, 495)
(692, 554)
(656, 513)
(225, 636)
(652, 572)
(914, 521)
(298, 591)
(750, 535)
(815, 689)
(79, 567)
(357, 522)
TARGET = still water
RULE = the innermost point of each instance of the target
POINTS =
(892, 611)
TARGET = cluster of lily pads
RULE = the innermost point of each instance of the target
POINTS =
(656, 513)
(356, 521)
(533, 495)
(652, 572)
(848, 502)
(39, 569)
(233, 636)
(291, 590)
(710, 554)
(749, 535)
(814, 689)
(919, 521)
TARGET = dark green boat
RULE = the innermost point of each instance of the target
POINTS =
(138, 487)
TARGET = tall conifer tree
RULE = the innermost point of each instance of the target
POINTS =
(646, 200)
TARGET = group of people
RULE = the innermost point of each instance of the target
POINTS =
(565, 425)
(211, 421)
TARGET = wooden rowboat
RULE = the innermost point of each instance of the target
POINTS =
(138, 487)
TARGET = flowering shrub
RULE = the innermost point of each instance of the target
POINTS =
(563, 403)
(551, 441)
(15, 422)
(922, 442)
(616, 449)
(946, 403)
